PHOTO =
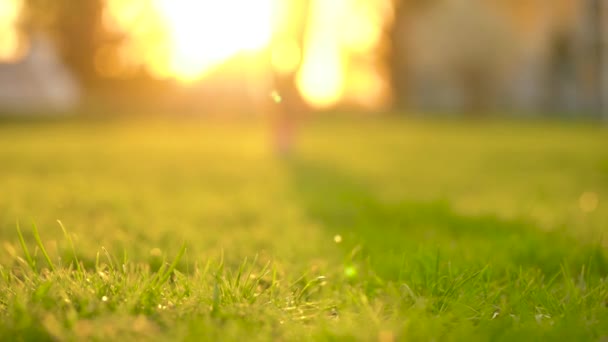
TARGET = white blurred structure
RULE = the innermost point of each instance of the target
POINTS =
(39, 82)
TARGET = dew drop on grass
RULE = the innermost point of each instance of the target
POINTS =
(540, 318)
(334, 313)
(350, 272)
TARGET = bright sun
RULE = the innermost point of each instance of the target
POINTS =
(203, 34)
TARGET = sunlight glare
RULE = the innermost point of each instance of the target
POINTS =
(203, 34)
(286, 56)
(321, 79)
(11, 43)
(186, 40)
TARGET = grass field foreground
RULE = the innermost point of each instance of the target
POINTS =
(374, 229)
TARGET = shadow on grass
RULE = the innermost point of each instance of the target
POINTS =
(395, 237)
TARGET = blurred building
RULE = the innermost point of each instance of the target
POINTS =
(519, 55)
(39, 81)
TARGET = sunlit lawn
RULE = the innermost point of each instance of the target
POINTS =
(374, 229)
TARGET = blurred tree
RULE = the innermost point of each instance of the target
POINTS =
(594, 42)
(397, 63)
(561, 72)
(405, 10)
(451, 54)
(74, 26)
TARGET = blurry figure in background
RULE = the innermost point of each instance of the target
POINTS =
(286, 54)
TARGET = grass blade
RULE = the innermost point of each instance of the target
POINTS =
(41, 246)
(69, 238)
(26, 251)
(171, 268)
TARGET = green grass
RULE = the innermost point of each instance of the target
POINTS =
(194, 230)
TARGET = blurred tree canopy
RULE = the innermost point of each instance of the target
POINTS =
(75, 26)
